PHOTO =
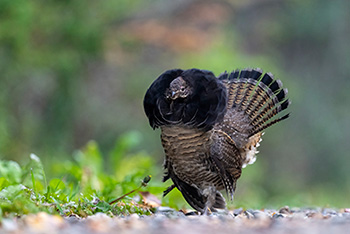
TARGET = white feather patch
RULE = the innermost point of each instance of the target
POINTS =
(250, 156)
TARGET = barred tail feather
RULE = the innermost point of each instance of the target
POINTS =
(261, 97)
(271, 107)
(269, 124)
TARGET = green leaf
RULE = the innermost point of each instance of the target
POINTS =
(12, 191)
(103, 206)
(34, 169)
(11, 171)
(37, 162)
(3, 183)
(57, 184)
(90, 157)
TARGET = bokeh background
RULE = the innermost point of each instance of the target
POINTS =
(75, 71)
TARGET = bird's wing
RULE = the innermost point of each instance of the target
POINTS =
(226, 158)
(191, 194)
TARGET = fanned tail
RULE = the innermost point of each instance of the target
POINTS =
(258, 95)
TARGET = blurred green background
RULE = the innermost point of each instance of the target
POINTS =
(72, 71)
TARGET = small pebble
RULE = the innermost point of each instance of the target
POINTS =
(237, 211)
(9, 225)
(329, 212)
(164, 209)
(249, 214)
(284, 210)
(73, 219)
(258, 214)
(278, 215)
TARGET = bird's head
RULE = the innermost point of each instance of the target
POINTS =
(178, 88)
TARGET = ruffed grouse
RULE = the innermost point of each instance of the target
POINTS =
(211, 127)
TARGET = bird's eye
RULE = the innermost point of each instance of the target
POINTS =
(182, 89)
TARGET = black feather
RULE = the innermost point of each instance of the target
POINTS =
(220, 202)
(275, 86)
(156, 92)
(203, 108)
(245, 73)
(267, 79)
(168, 190)
(191, 194)
(233, 75)
(236, 73)
(223, 76)
(285, 104)
(282, 94)
(255, 74)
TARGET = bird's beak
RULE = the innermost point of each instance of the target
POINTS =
(173, 94)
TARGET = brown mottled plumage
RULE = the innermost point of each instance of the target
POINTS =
(211, 127)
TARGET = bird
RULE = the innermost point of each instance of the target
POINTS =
(211, 128)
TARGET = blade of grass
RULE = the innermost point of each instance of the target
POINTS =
(74, 192)
(57, 205)
(33, 182)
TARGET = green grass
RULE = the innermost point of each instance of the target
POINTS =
(82, 186)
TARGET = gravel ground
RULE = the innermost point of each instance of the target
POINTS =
(167, 220)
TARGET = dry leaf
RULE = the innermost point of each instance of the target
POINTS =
(150, 200)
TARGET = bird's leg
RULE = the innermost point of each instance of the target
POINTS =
(210, 194)
(206, 213)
